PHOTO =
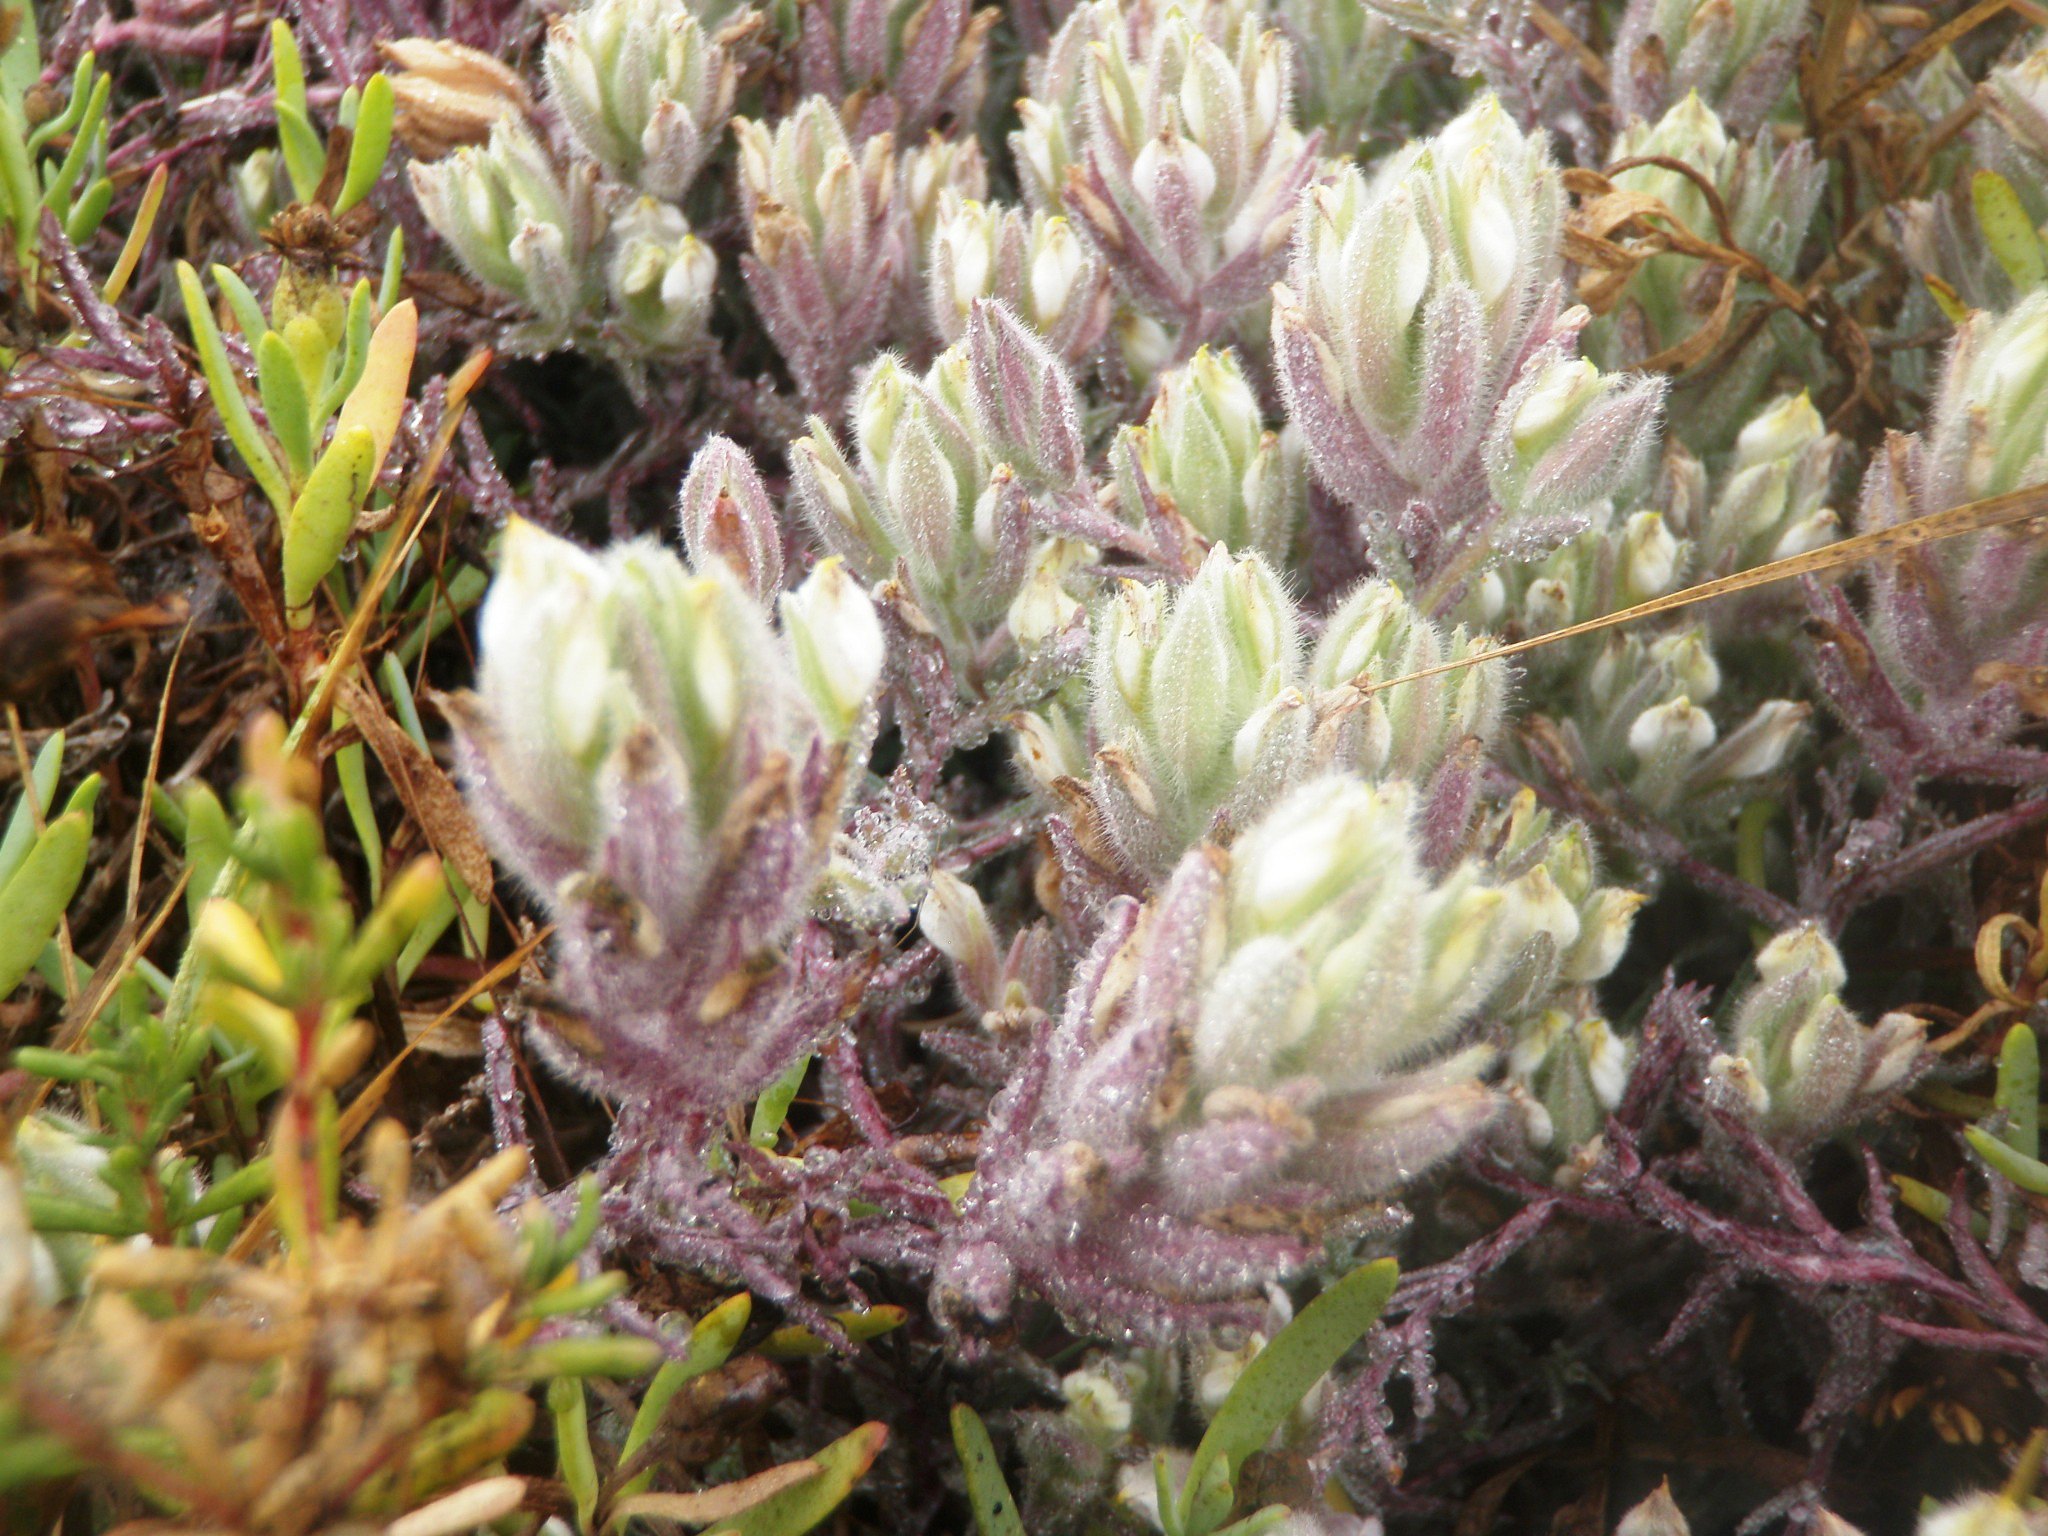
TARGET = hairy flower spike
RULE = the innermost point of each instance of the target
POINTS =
(826, 246)
(725, 513)
(1035, 264)
(666, 773)
(1205, 451)
(522, 225)
(896, 66)
(1770, 195)
(1183, 164)
(1197, 707)
(1737, 54)
(644, 92)
(1274, 1038)
(1799, 1063)
(1420, 320)
(659, 278)
(1772, 503)
(1376, 635)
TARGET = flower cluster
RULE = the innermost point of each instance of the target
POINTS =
(666, 770)
(591, 243)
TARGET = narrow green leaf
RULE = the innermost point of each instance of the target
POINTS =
(322, 518)
(2019, 1090)
(22, 62)
(74, 107)
(208, 842)
(371, 144)
(285, 403)
(1275, 1382)
(247, 312)
(356, 348)
(611, 1356)
(995, 1511)
(2008, 231)
(21, 826)
(60, 1213)
(33, 900)
(584, 1296)
(57, 195)
(772, 1108)
(2031, 1174)
(286, 67)
(17, 180)
(83, 222)
(571, 1411)
(712, 1342)
(64, 1067)
(224, 387)
(305, 157)
(797, 1342)
(394, 271)
(242, 1187)
(795, 1510)
(351, 767)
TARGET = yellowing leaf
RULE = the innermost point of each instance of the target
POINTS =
(379, 395)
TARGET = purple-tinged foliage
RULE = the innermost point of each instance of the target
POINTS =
(666, 774)
(896, 66)
(1426, 359)
(826, 247)
(1180, 158)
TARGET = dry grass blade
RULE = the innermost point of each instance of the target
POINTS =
(720, 1503)
(1943, 36)
(2015, 507)
(428, 794)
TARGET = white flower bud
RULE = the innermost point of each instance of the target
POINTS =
(1787, 427)
(1650, 554)
(1678, 729)
(836, 640)
(1802, 950)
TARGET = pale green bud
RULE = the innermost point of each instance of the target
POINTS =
(1206, 451)
(953, 918)
(1676, 731)
(1376, 635)
(1784, 429)
(1650, 556)
(644, 92)
(661, 277)
(1575, 1071)
(1798, 1060)
(1099, 1401)
(1997, 393)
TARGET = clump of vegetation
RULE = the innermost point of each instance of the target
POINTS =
(1076, 768)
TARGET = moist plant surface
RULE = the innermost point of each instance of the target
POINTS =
(1070, 769)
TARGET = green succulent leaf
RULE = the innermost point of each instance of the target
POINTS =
(372, 142)
(284, 402)
(33, 900)
(318, 528)
(2008, 231)
(223, 385)
(1274, 1384)
(2018, 1095)
(995, 1510)
(795, 1510)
